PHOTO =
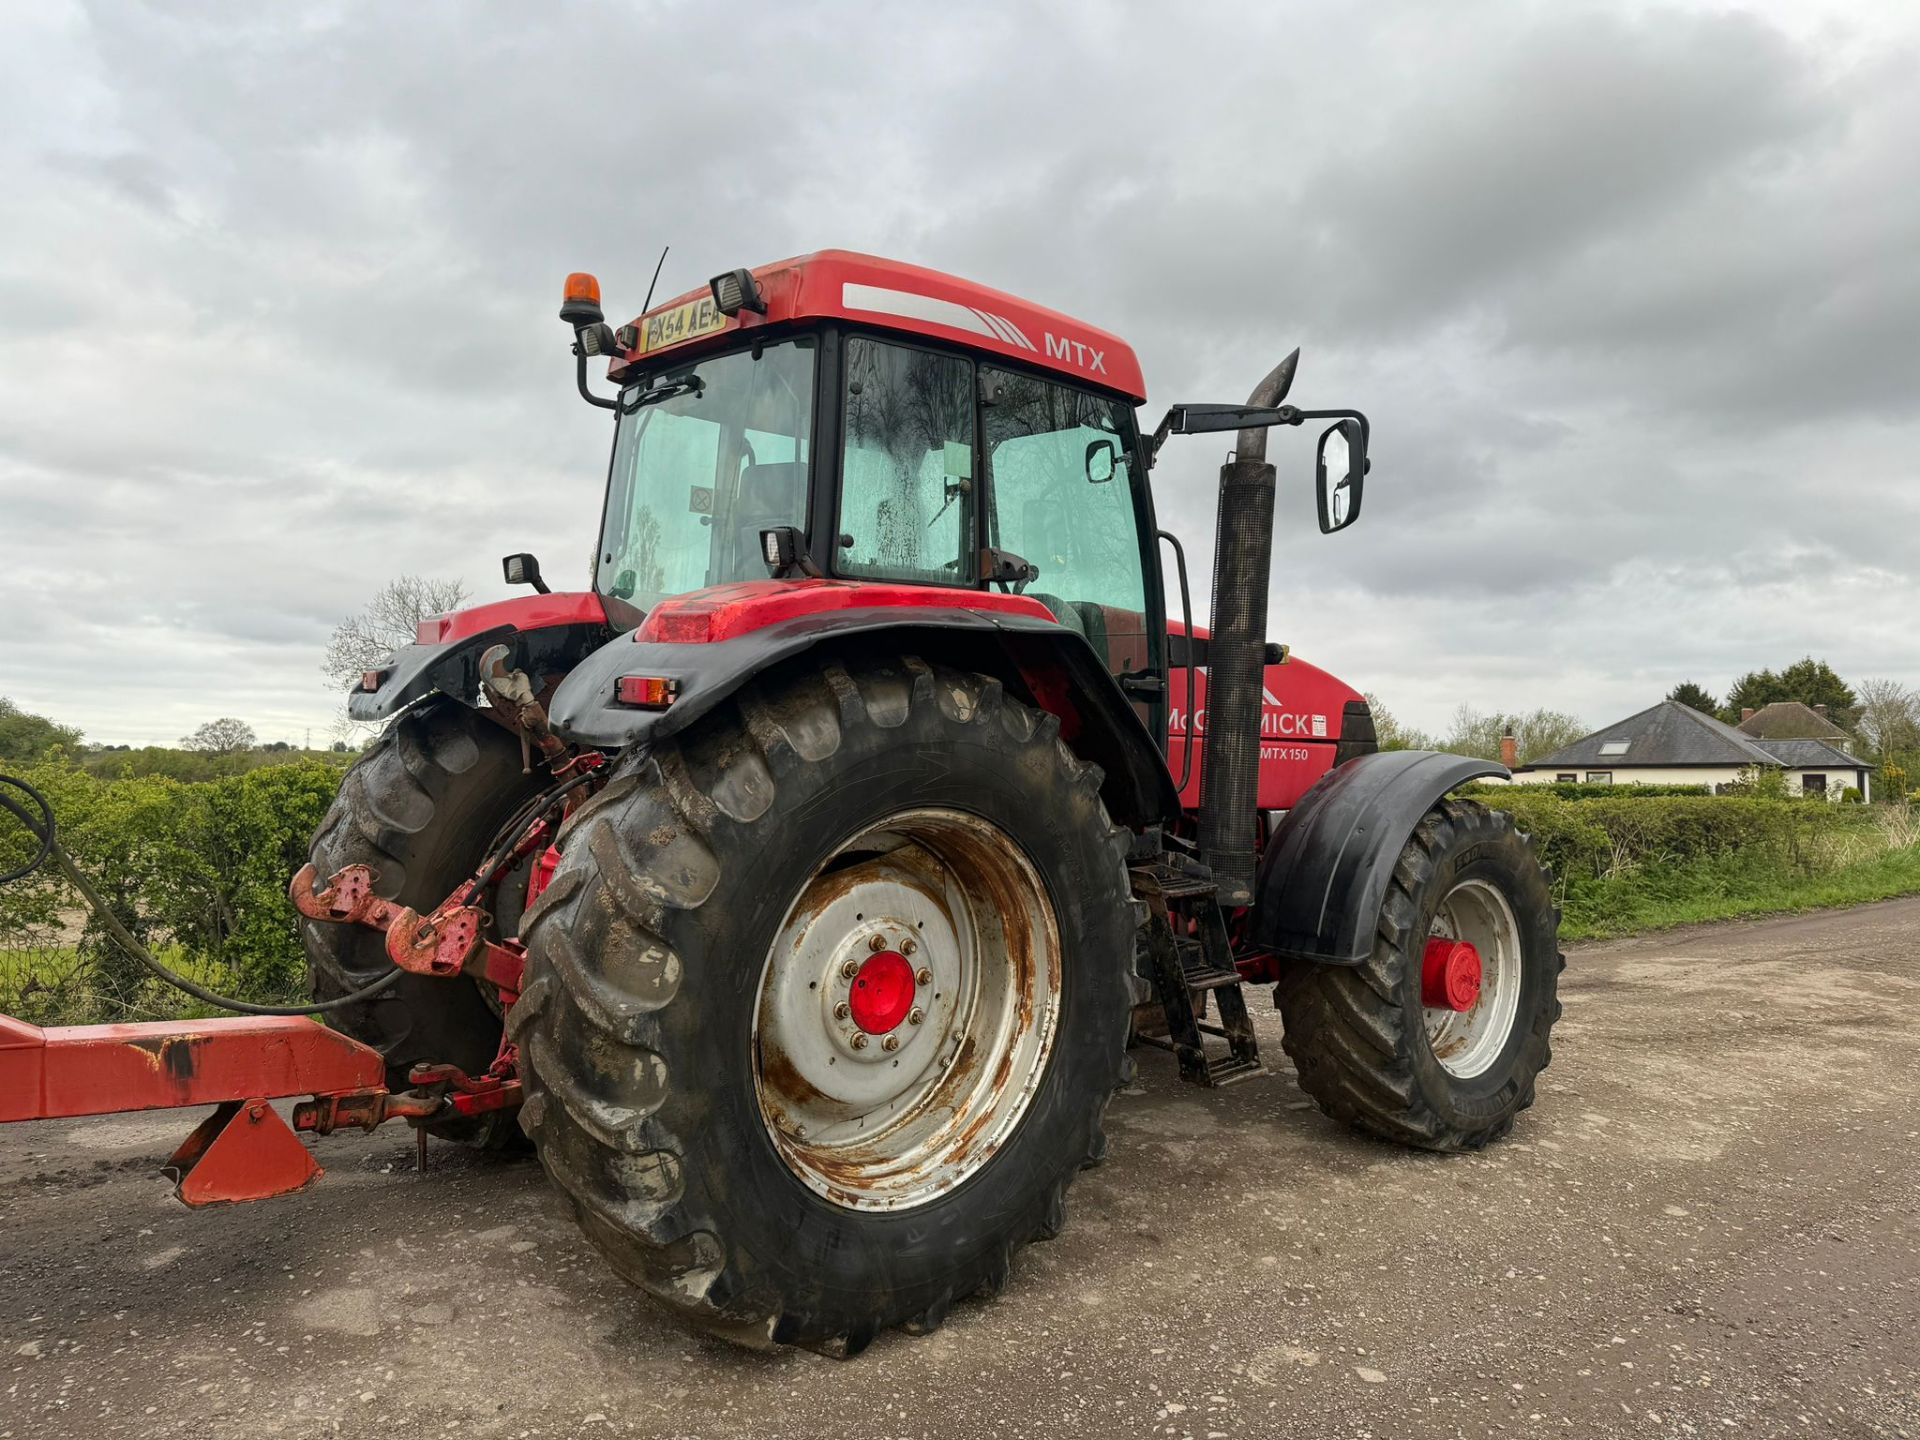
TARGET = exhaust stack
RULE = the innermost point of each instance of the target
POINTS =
(1236, 651)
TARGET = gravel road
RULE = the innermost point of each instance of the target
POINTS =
(1706, 1227)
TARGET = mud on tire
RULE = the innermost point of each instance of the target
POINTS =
(418, 807)
(1358, 1035)
(646, 959)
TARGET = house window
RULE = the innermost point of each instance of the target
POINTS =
(1599, 777)
(1566, 777)
(1813, 784)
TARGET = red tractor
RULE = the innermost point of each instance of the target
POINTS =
(805, 884)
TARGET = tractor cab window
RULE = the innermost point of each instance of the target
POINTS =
(707, 455)
(906, 493)
(1060, 465)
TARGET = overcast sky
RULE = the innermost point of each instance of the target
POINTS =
(1630, 292)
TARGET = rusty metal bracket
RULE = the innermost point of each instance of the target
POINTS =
(447, 942)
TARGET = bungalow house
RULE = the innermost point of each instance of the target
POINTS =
(1673, 744)
(1790, 720)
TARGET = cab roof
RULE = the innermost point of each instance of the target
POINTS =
(844, 285)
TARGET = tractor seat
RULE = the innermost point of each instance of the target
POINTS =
(1117, 636)
(1084, 618)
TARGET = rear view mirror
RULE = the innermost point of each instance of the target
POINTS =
(1102, 457)
(523, 569)
(1341, 472)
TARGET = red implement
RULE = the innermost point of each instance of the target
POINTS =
(243, 1150)
(103, 1069)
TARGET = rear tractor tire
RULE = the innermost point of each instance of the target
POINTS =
(418, 808)
(1372, 1052)
(826, 1000)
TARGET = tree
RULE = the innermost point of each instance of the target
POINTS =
(1541, 732)
(224, 736)
(1536, 733)
(1694, 697)
(363, 642)
(1888, 718)
(1476, 734)
(26, 738)
(1391, 734)
(1810, 681)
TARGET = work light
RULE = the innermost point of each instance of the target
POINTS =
(736, 291)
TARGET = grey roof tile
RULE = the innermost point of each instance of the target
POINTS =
(1799, 754)
(1665, 734)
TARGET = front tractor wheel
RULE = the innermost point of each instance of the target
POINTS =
(826, 1000)
(1437, 1039)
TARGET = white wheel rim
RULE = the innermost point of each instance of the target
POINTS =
(1466, 1043)
(893, 1117)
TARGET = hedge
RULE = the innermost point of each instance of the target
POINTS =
(1584, 791)
(1628, 861)
(199, 869)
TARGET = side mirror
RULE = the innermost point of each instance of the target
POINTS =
(1340, 474)
(1102, 458)
(523, 569)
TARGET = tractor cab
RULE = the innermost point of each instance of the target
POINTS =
(837, 417)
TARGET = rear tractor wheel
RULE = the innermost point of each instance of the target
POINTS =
(1437, 1039)
(826, 1000)
(418, 808)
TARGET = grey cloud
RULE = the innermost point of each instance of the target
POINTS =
(1628, 290)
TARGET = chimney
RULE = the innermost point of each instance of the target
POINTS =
(1746, 714)
(1821, 711)
(1509, 751)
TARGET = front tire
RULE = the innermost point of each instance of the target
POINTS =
(1372, 1052)
(732, 1129)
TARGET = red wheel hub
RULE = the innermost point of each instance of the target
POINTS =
(883, 992)
(1450, 975)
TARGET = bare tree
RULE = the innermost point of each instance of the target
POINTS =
(221, 737)
(1889, 716)
(1541, 732)
(1536, 733)
(362, 642)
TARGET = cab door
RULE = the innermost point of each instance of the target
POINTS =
(1065, 493)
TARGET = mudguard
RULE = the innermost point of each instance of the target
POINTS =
(1326, 869)
(548, 634)
(1040, 660)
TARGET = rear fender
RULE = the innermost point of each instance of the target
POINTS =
(548, 635)
(1039, 661)
(1326, 869)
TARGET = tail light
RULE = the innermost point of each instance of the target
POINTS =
(646, 692)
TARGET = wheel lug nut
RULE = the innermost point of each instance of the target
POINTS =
(878, 942)
(850, 969)
(907, 947)
(892, 1042)
(914, 1017)
(840, 1011)
(859, 1041)
(924, 977)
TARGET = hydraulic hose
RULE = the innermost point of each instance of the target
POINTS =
(45, 828)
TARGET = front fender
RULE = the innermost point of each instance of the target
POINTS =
(1043, 662)
(1326, 869)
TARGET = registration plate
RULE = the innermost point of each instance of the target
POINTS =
(682, 322)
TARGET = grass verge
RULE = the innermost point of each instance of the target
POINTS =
(1728, 888)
